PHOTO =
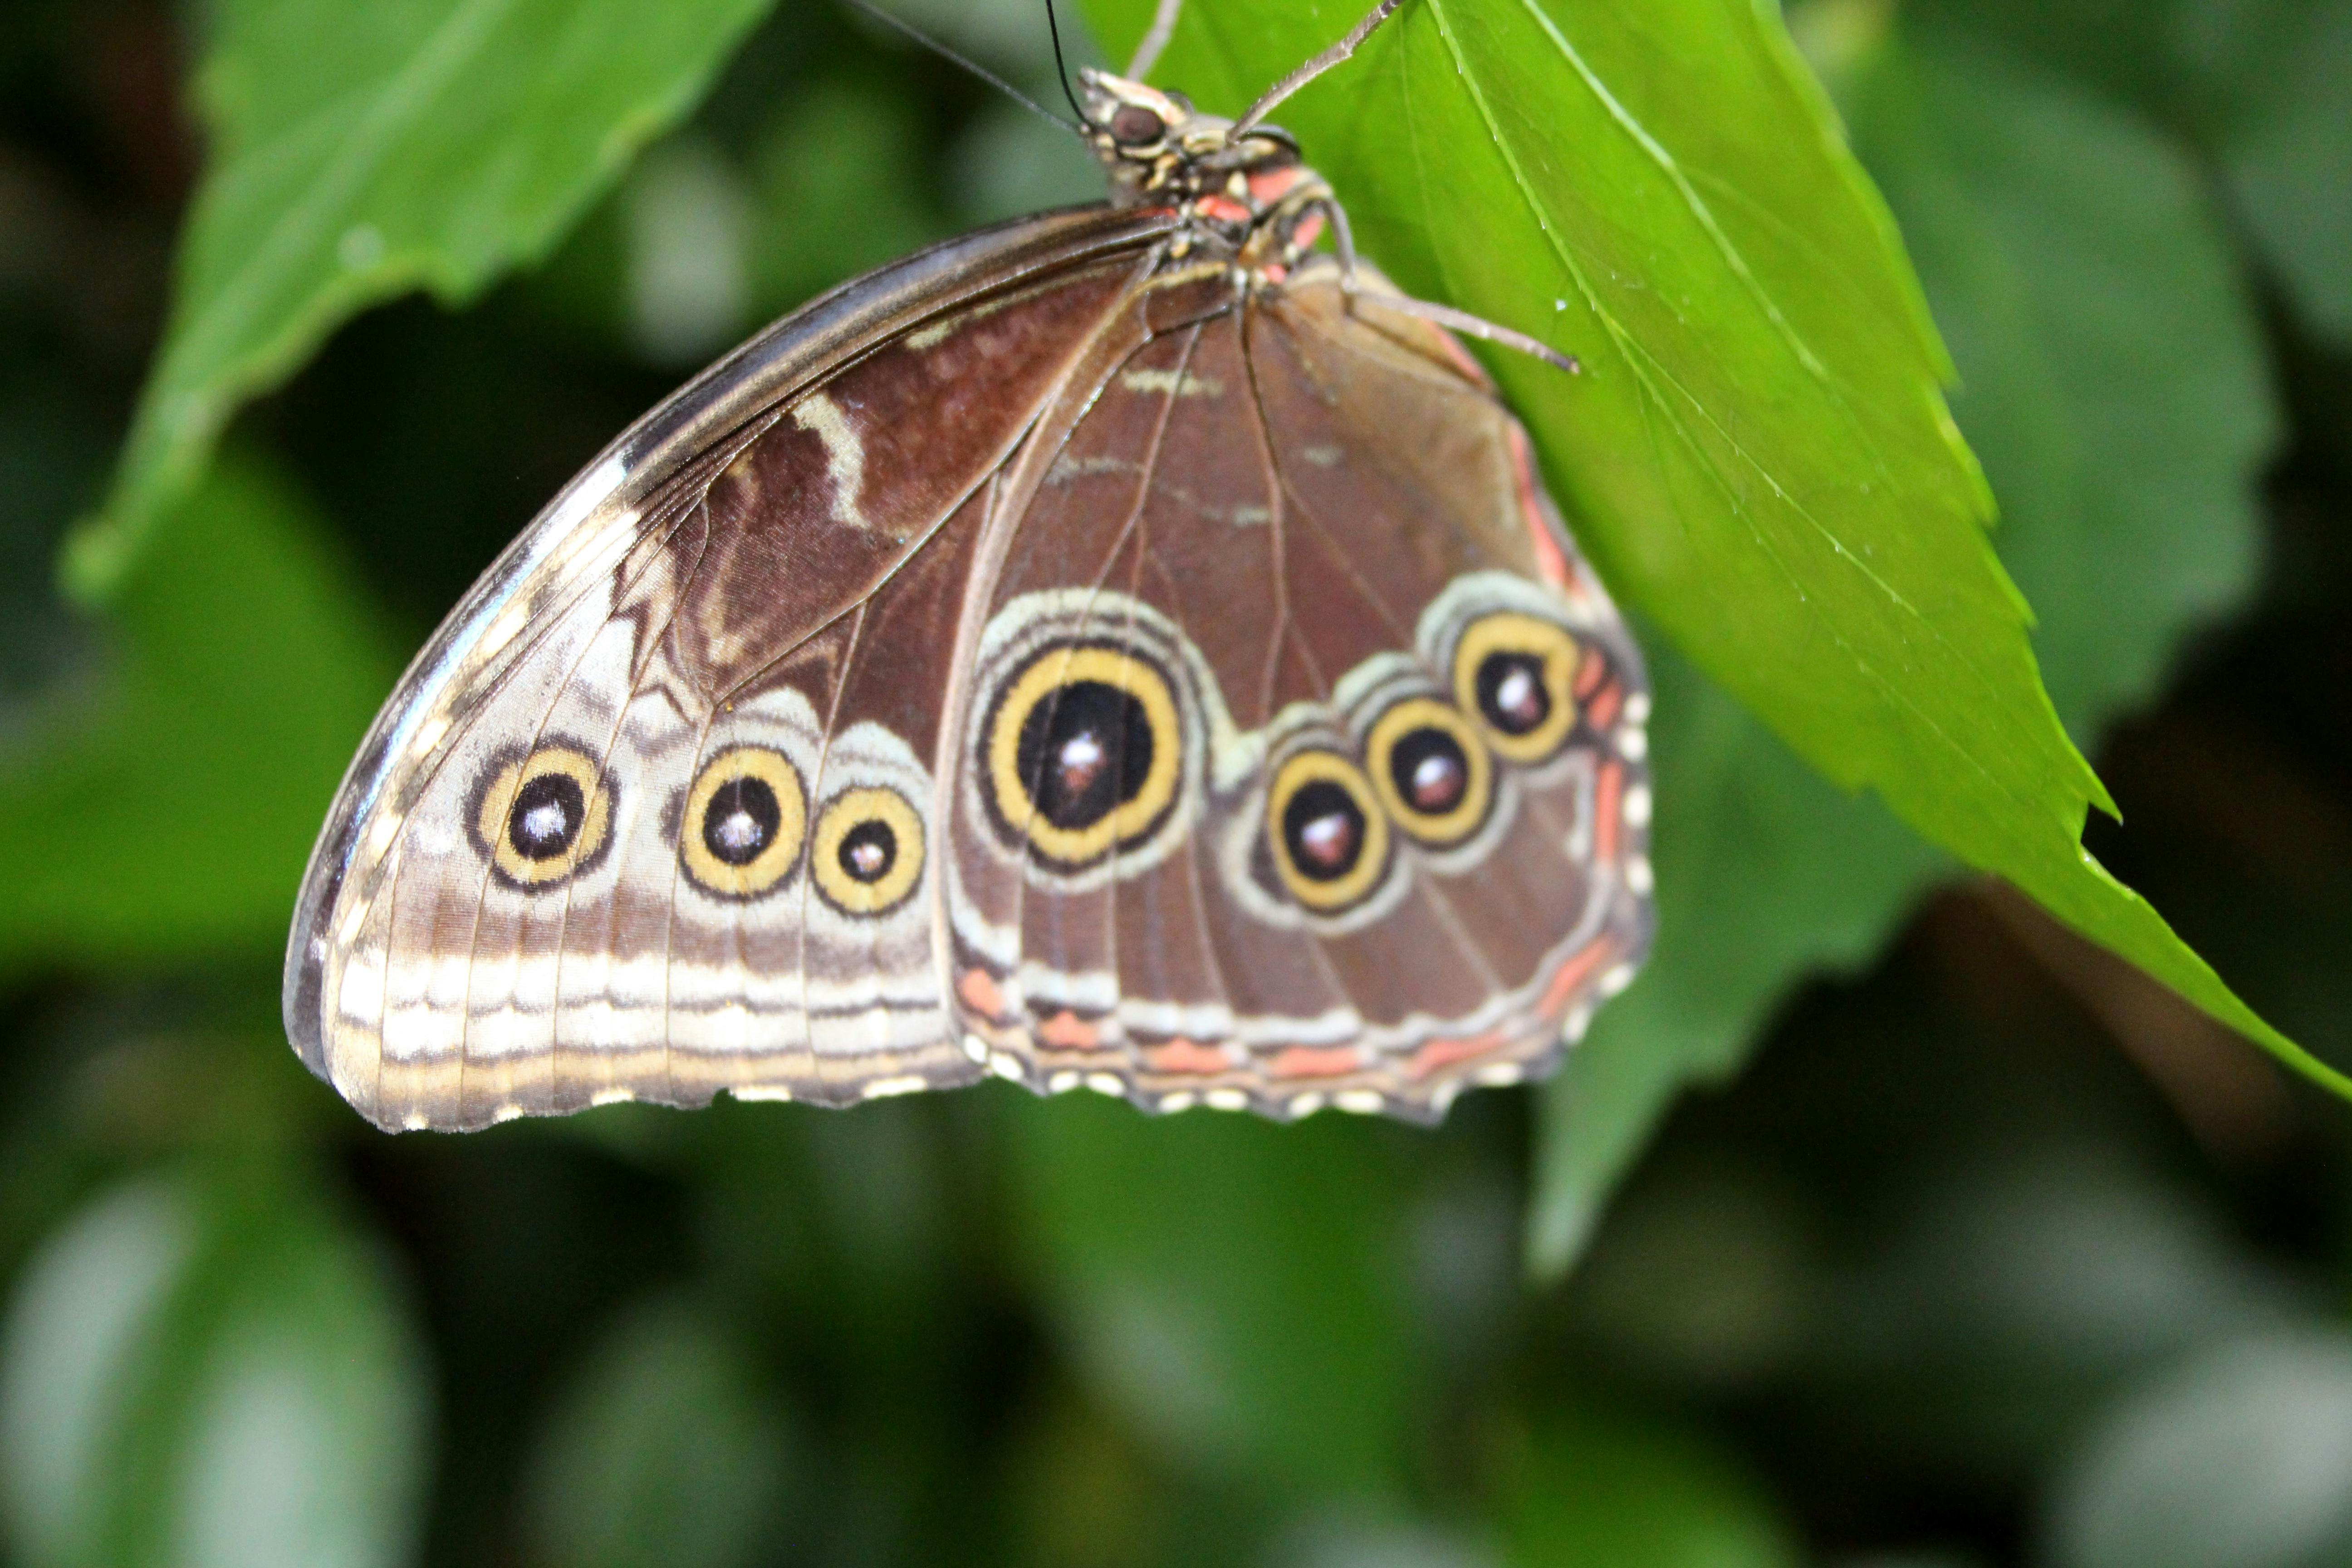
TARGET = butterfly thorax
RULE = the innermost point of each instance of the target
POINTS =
(1250, 196)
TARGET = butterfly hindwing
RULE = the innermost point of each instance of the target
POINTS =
(1261, 575)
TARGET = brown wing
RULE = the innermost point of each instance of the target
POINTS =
(1302, 758)
(650, 816)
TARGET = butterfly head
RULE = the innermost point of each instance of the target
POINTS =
(1161, 151)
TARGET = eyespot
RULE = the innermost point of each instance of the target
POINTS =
(743, 824)
(1132, 125)
(1431, 770)
(543, 818)
(868, 853)
(1517, 673)
(1084, 752)
(1330, 838)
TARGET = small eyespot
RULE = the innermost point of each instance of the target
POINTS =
(1329, 836)
(1083, 752)
(744, 820)
(1431, 771)
(1518, 673)
(868, 853)
(543, 818)
(1132, 125)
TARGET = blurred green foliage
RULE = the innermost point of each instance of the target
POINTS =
(1997, 1254)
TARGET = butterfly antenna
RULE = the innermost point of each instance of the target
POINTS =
(1147, 53)
(1061, 66)
(983, 72)
(1333, 55)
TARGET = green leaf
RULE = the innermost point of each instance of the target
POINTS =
(661, 1453)
(359, 153)
(1594, 1486)
(2289, 159)
(1759, 457)
(170, 813)
(2261, 85)
(2112, 363)
(207, 1372)
(1228, 1284)
(2114, 382)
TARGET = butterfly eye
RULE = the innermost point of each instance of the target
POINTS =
(1330, 838)
(867, 854)
(1518, 673)
(1132, 125)
(543, 818)
(1431, 770)
(744, 819)
(1083, 752)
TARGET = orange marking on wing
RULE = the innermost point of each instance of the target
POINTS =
(1608, 796)
(1310, 230)
(1310, 1061)
(1067, 1031)
(1225, 209)
(1549, 559)
(1573, 972)
(1181, 1055)
(1443, 1053)
(978, 988)
(1270, 187)
(1602, 711)
(1592, 670)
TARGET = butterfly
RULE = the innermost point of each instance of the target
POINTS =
(1128, 648)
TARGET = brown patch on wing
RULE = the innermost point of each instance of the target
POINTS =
(833, 491)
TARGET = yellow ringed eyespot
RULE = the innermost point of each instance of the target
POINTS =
(867, 852)
(1517, 673)
(544, 817)
(1084, 752)
(1329, 836)
(743, 824)
(1431, 770)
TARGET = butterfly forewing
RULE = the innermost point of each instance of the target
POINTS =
(703, 578)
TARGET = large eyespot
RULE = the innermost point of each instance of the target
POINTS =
(1085, 751)
(867, 852)
(1431, 770)
(1518, 673)
(545, 816)
(744, 820)
(1330, 838)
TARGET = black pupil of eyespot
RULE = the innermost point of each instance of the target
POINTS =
(1431, 771)
(1323, 828)
(546, 816)
(1134, 125)
(740, 821)
(1085, 749)
(1511, 692)
(868, 851)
